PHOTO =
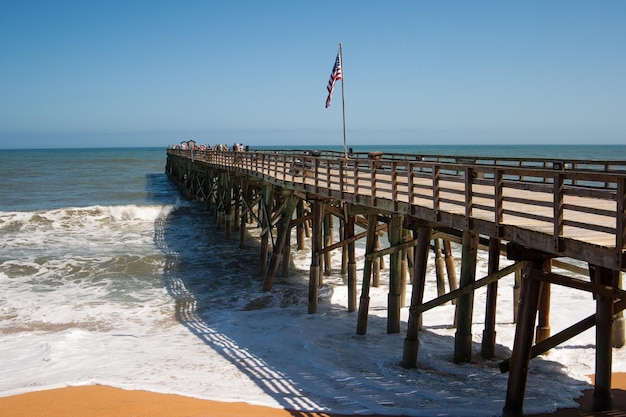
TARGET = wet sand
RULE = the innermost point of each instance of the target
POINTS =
(103, 401)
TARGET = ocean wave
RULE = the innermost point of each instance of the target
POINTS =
(16, 221)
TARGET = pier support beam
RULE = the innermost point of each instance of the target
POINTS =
(536, 266)
(543, 325)
(619, 324)
(450, 268)
(281, 238)
(352, 279)
(524, 332)
(243, 214)
(410, 256)
(602, 399)
(488, 346)
(344, 250)
(439, 266)
(237, 202)
(229, 210)
(411, 342)
(465, 304)
(395, 276)
(301, 225)
(286, 255)
(370, 246)
(517, 289)
(316, 245)
(404, 270)
(328, 241)
(377, 262)
(266, 213)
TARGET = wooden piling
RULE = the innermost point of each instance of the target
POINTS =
(488, 346)
(316, 245)
(543, 325)
(465, 304)
(237, 204)
(281, 237)
(328, 241)
(410, 255)
(517, 289)
(411, 343)
(523, 341)
(450, 268)
(404, 268)
(602, 397)
(266, 215)
(286, 256)
(301, 225)
(376, 263)
(439, 267)
(395, 276)
(536, 267)
(619, 324)
(350, 247)
(243, 215)
(370, 246)
(343, 270)
(229, 212)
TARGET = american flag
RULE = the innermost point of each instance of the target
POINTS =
(334, 76)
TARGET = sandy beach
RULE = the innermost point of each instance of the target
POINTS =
(104, 401)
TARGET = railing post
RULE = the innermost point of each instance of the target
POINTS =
(316, 171)
(469, 197)
(436, 193)
(328, 176)
(620, 221)
(292, 168)
(410, 181)
(559, 194)
(394, 184)
(373, 181)
(342, 165)
(284, 164)
(356, 180)
(498, 195)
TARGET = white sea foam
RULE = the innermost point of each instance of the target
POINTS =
(156, 298)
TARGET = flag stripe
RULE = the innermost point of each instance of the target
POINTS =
(334, 76)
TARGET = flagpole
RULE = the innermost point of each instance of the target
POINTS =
(343, 103)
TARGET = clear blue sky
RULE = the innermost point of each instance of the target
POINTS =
(110, 73)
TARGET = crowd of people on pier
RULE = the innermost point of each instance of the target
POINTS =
(190, 144)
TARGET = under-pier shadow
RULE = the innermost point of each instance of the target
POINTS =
(217, 289)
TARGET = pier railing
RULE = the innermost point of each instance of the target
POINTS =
(570, 208)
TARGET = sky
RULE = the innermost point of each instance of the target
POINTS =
(151, 73)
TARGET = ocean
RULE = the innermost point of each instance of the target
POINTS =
(108, 276)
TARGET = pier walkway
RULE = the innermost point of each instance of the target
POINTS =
(540, 213)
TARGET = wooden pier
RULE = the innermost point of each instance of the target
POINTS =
(539, 213)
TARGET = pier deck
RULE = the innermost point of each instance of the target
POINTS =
(539, 210)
